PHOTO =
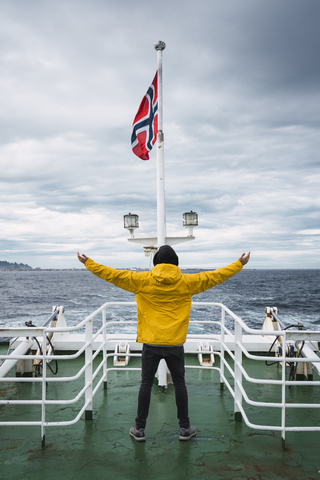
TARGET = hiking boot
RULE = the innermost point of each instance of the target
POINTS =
(137, 434)
(187, 433)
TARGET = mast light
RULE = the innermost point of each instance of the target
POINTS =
(190, 220)
(131, 222)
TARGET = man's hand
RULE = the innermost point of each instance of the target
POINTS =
(244, 259)
(82, 258)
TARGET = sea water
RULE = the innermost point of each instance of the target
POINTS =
(30, 295)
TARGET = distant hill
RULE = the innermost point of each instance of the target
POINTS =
(13, 266)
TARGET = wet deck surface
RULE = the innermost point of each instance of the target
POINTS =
(102, 448)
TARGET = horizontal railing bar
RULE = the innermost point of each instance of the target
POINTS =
(229, 368)
(227, 331)
(123, 369)
(302, 405)
(306, 383)
(303, 429)
(287, 429)
(71, 400)
(48, 357)
(69, 379)
(201, 367)
(96, 335)
(96, 353)
(211, 322)
(274, 359)
(259, 380)
(258, 404)
(114, 354)
(228, 385)
(94, 391)
(21, 379)
(70, 422)
(20, 402)
(97, 370)
(21, 424)
(255, 426)
(227, 349)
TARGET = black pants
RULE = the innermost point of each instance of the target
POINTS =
(151, 356)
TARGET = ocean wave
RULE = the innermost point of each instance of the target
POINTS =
(294, 292)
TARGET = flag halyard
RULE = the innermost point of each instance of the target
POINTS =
(145, 124)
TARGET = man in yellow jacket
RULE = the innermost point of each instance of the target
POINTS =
(164, 298)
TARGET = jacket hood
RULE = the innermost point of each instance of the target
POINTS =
(166, 273)
(166, 254)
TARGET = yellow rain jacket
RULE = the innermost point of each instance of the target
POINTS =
(163, 297)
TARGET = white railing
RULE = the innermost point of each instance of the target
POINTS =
(90, 374)
(95, 377)
(238, 392)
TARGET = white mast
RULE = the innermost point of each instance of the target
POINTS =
(161, 206)
(131, 221)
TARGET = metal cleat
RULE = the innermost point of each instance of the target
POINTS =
(206, 357)
(121, 359)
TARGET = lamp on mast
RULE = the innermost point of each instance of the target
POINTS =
(190, 220)
(131, 222)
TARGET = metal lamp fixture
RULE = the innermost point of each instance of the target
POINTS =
(131, 222)
(190, 220)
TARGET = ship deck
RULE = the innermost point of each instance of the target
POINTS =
(102, 448)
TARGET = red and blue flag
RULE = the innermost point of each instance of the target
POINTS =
(145, 123)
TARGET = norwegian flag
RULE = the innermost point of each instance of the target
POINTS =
(145, 123)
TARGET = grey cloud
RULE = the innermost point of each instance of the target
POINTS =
(241, 89)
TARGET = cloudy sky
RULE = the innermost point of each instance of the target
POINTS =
(241, 123)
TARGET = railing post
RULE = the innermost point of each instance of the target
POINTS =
(223, 317)
(88, 371)
(44, 385)
(283, 388)
(237, 371)
(104, 322)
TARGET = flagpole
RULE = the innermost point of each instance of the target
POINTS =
(161, 207)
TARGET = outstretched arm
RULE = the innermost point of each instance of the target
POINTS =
(82, 258)
(244, 259)
(125, 279)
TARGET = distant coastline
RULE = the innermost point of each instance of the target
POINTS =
(22, 267)
(8, 266)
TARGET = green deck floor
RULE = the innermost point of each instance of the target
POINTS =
(103, 449)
